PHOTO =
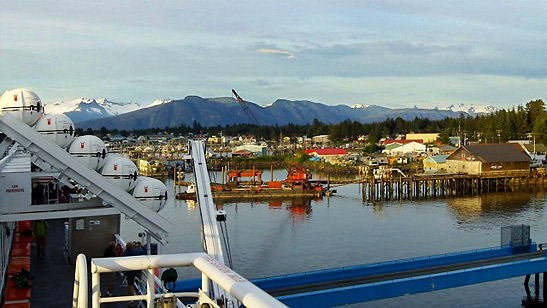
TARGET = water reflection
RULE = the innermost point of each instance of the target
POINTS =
(300, 209)
(192, 204)
(532, 302)
(495, 205)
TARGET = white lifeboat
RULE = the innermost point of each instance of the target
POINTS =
(24, 104)
(151, 192)
(58, 128)
(121, 171)
(89, 150)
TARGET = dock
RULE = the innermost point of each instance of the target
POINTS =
(421, 186)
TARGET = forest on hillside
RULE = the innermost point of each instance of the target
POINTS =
(523, 122)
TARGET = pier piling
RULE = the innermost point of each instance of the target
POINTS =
(445, 185)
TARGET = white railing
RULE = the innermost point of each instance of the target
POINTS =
(237, 286)
(79, 295)
(120, 241)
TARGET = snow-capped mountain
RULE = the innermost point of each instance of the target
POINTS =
(471, 109)
(360, 106)
(83, 109)
(160, 102)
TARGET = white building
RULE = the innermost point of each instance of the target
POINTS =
(408, 148)
(256, 150)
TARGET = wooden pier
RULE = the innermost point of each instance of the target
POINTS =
(448, 185)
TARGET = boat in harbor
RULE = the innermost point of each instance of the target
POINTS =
(248, 184)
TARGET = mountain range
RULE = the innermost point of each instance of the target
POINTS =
(83, 109)
(96, 113)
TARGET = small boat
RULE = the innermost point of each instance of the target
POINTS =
(189, 194)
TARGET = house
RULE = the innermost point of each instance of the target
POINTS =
(488, 158)
(398, 160)
(435, 164)
(320, 140)
(210, 153)
(327, 153)
(333, 156)
(433, 149)
(375, 160)
(447, 149)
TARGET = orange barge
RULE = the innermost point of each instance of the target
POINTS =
(248, 184)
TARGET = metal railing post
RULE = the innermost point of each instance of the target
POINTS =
(95, 289)
(151, 290)
(79, 295)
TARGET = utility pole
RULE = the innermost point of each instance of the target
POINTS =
(532, 135)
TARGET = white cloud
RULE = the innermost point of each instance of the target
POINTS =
(379, 52)
(283, 53)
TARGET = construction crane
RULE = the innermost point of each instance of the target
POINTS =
(246, 108)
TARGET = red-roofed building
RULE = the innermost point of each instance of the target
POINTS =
(327, 152)
(242, 153)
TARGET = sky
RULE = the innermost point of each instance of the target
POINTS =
(390, 53)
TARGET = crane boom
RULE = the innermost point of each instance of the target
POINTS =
(246, 108)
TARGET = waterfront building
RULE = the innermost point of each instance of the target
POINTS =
(435, 164)
(488, 158)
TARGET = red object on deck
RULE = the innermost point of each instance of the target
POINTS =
(236, 175)
(297, 174)
(275, 184)
(19, 261)
(24, 227)
(13, 294)
(20, 250)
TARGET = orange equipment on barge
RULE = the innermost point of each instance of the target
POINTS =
(296, 184)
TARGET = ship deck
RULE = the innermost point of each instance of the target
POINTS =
(54, 276)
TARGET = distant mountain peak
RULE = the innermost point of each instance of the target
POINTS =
(360, 106)
(82, 109)
(160, 102)
(472, 109)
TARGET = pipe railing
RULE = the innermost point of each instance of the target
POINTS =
(79, 295)
(119, 240)
(243, 290)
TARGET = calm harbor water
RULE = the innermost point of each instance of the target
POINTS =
(273, 238)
